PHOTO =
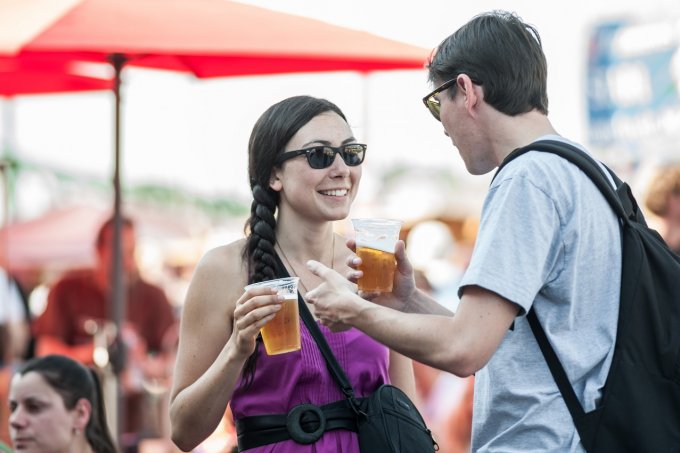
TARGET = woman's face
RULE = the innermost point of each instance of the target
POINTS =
(318, 194)
(39, 421)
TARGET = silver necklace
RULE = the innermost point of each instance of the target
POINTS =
(296, 273)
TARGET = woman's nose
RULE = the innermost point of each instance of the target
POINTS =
(339, 167)
(17, 418)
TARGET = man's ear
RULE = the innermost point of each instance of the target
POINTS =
(275, 180)
(470, 91)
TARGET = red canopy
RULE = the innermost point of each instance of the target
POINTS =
(22, 75)
(61, 239)
(206, 37)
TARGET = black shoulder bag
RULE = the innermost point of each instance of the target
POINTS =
(387, 421)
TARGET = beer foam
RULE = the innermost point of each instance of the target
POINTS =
(384, 243)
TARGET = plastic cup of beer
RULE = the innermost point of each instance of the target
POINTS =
(282, 334)
(375, 242)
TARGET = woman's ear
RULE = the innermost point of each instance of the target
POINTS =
(82, 414)
(275, 180)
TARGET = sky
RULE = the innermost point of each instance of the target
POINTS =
(190, 133)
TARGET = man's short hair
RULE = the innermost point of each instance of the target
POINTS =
(501, 53)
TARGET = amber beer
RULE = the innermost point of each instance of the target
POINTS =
(282, 334)
(378, 268)
(375, 241)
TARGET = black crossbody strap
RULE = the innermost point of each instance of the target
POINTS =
(332, 363)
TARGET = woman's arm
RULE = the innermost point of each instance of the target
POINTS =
(217, 334)
(401, 374)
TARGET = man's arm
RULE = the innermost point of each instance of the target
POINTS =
(460, 344)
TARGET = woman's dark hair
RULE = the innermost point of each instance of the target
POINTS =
(271, 133)
(73, 381)
(503, 54)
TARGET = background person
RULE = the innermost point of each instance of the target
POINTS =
(78, 305)
(55, 405)
(663, 200)
(547, 241)
(305, 169)
(14, 320)
(15, 339)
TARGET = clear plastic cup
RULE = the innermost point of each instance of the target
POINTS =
(375, 241)
(282, 334)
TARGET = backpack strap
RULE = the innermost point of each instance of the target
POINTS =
(620, 199)
(625, 207)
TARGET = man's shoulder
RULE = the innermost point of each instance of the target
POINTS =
(148, 287)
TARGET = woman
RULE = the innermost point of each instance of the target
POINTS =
(300, 186)
(56, 406)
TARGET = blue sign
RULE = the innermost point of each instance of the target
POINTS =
(633, 83)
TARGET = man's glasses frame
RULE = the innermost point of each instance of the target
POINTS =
(323, 156)
(433, 104)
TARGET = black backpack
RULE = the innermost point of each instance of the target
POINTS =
(640, 406)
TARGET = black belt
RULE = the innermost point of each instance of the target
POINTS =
(304, 424)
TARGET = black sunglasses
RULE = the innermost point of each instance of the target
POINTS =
(433, 104)
(322, 156)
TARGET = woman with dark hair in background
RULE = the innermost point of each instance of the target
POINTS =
(56, 405)
(300, 185)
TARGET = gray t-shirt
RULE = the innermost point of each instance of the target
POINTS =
(547, 239)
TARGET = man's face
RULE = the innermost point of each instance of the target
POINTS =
(105, 251)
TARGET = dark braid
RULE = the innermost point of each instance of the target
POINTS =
(270, 135)
(263, 235)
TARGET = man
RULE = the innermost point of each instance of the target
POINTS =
(78, 305)
(663, 200)
(547, 240)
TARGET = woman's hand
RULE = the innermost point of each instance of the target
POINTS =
(255, 308)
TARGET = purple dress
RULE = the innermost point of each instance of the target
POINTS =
(286, 380)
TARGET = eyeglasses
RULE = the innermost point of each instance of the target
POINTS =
(322, 156)
(433, 104)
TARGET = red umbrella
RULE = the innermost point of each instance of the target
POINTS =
(209, 38)
(20, 76)
(206, 37)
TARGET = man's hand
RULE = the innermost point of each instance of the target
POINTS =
(335, 301)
